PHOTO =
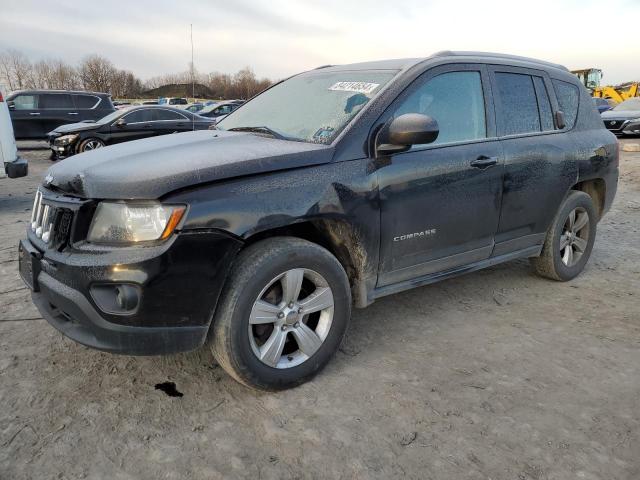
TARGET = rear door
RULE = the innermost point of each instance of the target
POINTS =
(25, 116)
(168, 121)
(440, 203)
(55, 109)
(540, 163)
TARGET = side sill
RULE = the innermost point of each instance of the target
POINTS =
(380, 292)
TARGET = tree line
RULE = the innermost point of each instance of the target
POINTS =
(97, 73)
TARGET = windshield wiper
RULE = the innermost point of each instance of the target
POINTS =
(266, 130)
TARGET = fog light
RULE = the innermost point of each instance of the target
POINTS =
(116, 298)
(126, 297)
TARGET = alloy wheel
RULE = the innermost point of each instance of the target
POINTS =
(291, 318)
(575, 236)
(92, 145)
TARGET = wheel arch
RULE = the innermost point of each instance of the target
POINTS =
(339, 238)
(596, 188)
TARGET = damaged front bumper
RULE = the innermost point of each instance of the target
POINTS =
(175, 287)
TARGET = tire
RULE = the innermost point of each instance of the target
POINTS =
(243, 329)
(556, 261)
(90, 144)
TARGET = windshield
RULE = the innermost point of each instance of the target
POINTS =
(312, 107)
(628, 105)
(111, 117)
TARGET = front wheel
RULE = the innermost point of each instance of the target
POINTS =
(569, 240)
(90, 144)
(282, 314)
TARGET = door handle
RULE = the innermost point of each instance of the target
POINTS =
(73, 113)
(483, 162)
(34, 113)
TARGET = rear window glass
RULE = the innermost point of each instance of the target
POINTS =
(55, 100)
(85, 101)
(568, 99)
(168, 115)
(519, 104)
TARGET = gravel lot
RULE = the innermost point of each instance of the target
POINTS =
(495, 375)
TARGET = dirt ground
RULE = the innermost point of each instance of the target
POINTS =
(495, 375)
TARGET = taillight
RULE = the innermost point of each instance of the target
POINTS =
(1, 99)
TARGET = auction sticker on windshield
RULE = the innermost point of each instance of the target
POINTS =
(359, 87)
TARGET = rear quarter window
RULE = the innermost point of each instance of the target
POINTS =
(568, 99)
(85, 101)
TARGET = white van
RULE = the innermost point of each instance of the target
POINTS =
(13, 166)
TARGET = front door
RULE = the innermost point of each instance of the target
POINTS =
(25, 116)
(440, 203)
(138, 124)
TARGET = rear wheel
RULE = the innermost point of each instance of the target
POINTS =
(569, 240)
(90, 144)
(282, 314)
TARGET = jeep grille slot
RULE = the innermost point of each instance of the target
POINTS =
(46, 219)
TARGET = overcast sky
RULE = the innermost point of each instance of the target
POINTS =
(281, 37)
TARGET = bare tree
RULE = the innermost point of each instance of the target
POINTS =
(96, 73)
(15, 69)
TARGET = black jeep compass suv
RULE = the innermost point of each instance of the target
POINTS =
(332, 188)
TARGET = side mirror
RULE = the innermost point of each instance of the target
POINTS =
(406, 130)
(11, 105)
(121, 122)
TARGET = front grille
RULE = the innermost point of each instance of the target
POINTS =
(615, 125)
(50, 223)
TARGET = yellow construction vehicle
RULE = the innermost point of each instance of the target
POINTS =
(591, 77)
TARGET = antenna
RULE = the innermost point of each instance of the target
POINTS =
(193, 82)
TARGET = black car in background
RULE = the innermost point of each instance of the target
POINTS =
(624, 118)
(34, 113)
(218, 109)
(122, 126)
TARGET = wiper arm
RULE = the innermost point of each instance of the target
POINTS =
(266, 130)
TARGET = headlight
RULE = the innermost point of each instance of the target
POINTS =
(65, 139)
(125, 223)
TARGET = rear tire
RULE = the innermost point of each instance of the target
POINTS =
(90, 144)
(569, 240)
(282, 314)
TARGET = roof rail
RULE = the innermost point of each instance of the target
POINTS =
(501, 56)
(323, 66)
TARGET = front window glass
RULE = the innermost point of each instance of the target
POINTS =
(311, 107)
(26, 102)
(456, 101)
(139, 116)
(628, 105)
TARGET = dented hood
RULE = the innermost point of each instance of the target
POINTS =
(151, 168)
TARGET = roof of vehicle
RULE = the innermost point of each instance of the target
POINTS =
(74, 92)
(406, 63)
(162, 107)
